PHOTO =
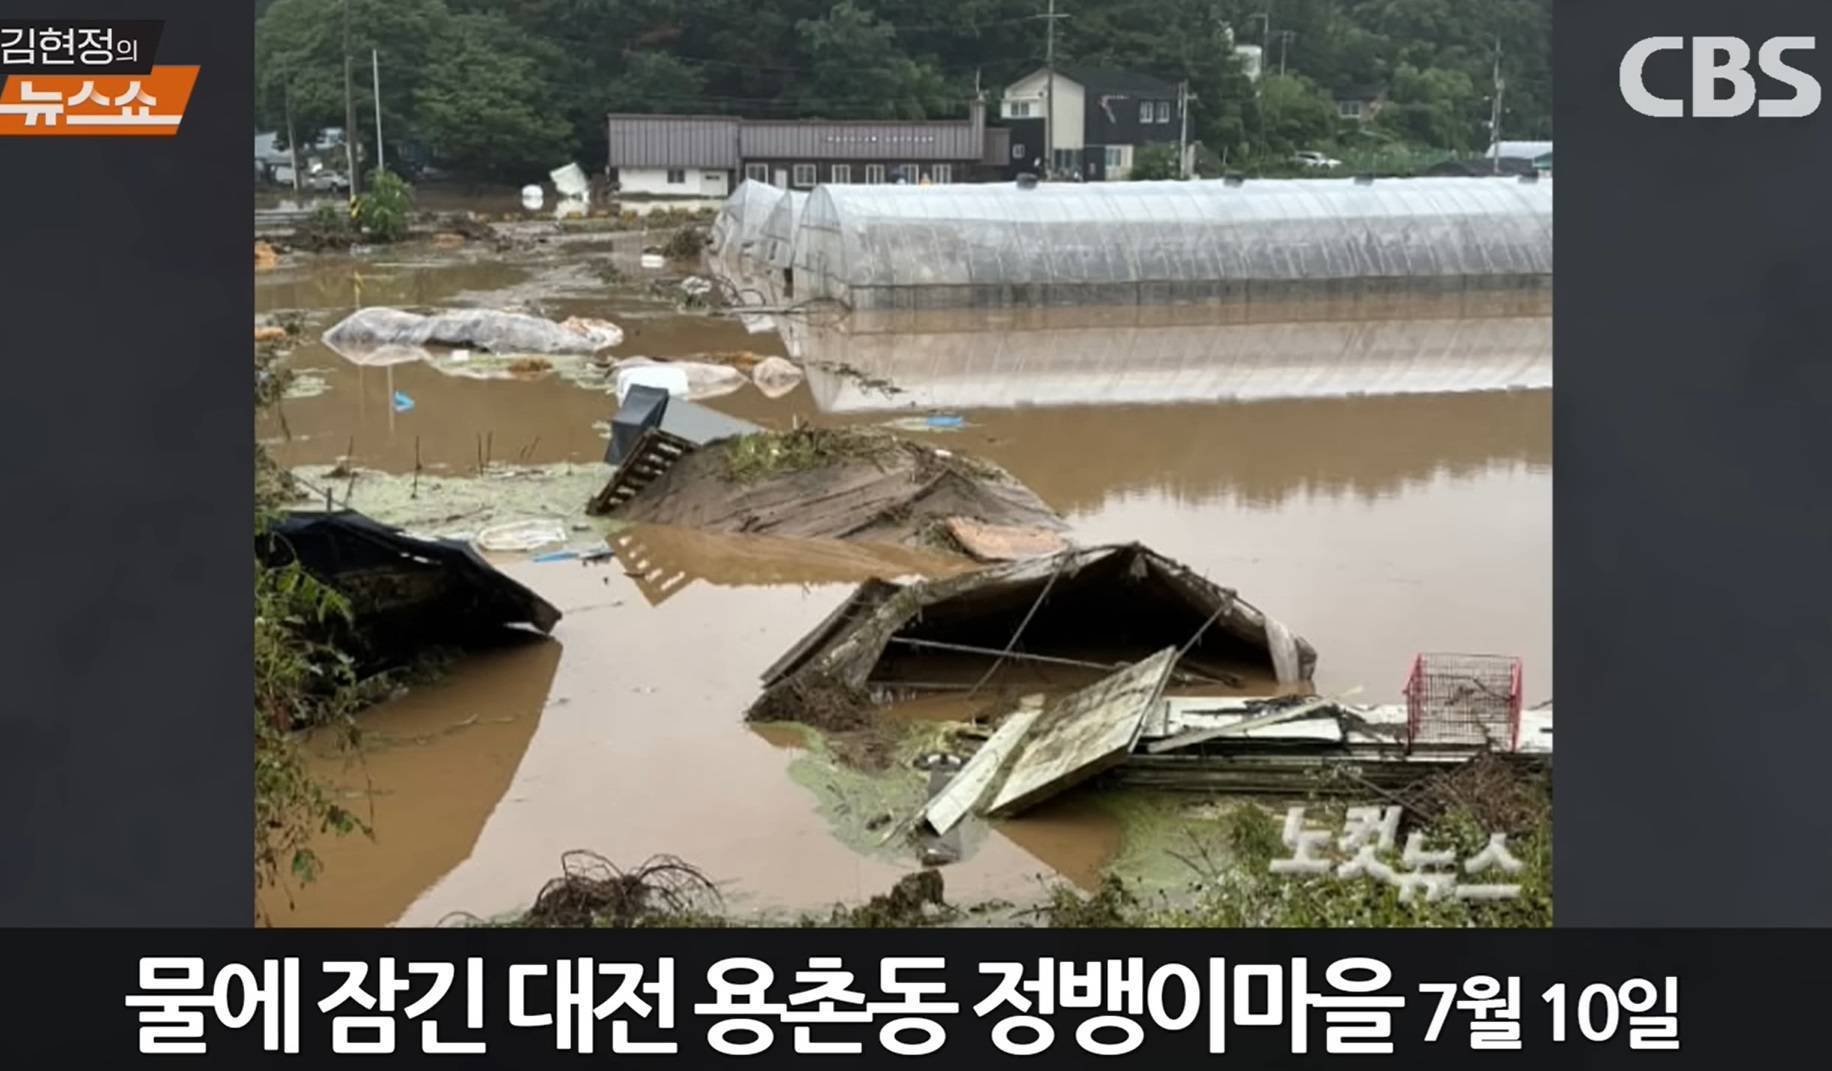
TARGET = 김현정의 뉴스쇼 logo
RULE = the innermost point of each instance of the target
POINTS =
(86, 78)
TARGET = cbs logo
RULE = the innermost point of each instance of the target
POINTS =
(1722, 63)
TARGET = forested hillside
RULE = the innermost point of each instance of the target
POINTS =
(497, 88)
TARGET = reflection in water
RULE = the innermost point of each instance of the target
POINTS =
(1410, 518)
(335, 281)
(433, 765)
(1077, 358)
(535, 417)
(662, 561)
(1375, 527)
(642, 751)
(1262, 453)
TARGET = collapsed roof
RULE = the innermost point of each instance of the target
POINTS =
(1090, 609)
(405, 591)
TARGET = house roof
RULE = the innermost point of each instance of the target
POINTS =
(1102, 81)
(725, 141)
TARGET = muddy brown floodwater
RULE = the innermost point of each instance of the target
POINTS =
(623, 734)
(1377, 526)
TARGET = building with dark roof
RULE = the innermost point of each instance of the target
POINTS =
(1098, 119)
(708, 155)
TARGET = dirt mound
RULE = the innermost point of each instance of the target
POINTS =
(836, 483)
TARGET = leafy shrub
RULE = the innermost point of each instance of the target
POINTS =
(382, 212)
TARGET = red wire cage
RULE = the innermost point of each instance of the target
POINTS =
(1464, 699)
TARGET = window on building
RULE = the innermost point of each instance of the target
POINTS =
(874, 174)
(1348, 109)
(1144, 111)
(944, 173)
(842, 173)
(1021, 109)
(757, 172)
(909, 173)
(1067, 160)
(1116, 157)
(1164, 111)
(676, 176)
(710, 176)
(804, 175)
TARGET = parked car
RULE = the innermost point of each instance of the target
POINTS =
(327, 181)
(1315, 159)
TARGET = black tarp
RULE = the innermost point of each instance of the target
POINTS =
(405, 591)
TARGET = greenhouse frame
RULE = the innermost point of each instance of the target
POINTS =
(776, 243)
(740, 220)
(1169, 242)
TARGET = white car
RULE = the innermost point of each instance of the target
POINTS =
(1315, 159)
(327, 181)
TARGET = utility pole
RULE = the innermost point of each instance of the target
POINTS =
(1285, 37)
(1183, 132)
(349, 134)
(1049, 89)
(292, 142)
(1495, 115)
(375, 73)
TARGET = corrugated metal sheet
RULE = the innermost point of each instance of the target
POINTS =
(726, 141)
(950, 140)
(673, 141)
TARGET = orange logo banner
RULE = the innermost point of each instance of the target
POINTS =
(87, 105)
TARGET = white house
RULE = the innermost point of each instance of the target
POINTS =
(1096, 119)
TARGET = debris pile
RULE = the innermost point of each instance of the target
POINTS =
(405, 592)
(1070, 619)
(832, 483)
(593, 891)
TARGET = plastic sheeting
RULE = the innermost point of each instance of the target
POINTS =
(1167, 242)
(385, 329)
(741, 218)
(776, 246)
(976, 360)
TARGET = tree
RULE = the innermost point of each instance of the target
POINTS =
(1152, 162)
(655, 82)
(1297, 114)
(483, 106)
(1433, 107)
(902, 59)
(857, 70)
(299, 44)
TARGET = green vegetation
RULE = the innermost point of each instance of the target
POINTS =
(1230, 859)
(301, 682)
(1154, 162)
(382, 211)
(329, 227)
(768, 454)
(511, 90)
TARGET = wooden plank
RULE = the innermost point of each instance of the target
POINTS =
(1005, 542)
(654, 453)
(978, 776)
(1239, 728)
(1084, 733)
